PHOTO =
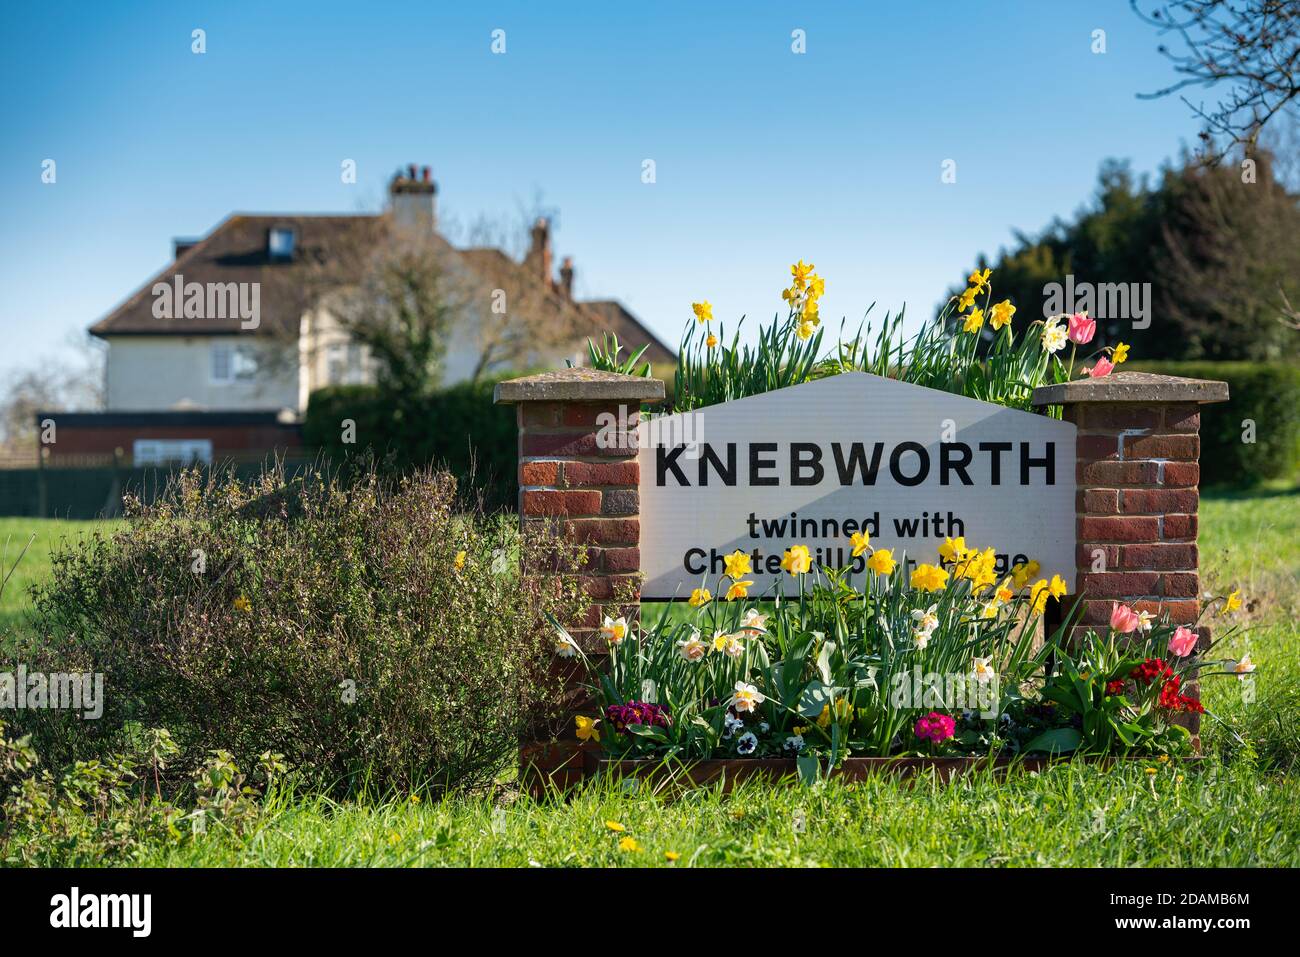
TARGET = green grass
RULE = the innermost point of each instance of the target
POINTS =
(35, 565)
(1240, 808)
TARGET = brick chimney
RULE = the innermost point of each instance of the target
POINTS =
(412, 196)
(566, 277)
(539, 254)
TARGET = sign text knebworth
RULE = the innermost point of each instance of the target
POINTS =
(853, 453)
(1107, 498)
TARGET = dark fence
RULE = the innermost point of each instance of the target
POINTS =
(96, 492)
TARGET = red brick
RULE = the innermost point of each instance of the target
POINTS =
(1119, 584)
(1119, 416)
(1097, 501)
(539, 473)
(1182, 418)
(1094, 447)
(540, 414)
(1180, 585)
(1150, 501)
(1117, 473)
(625, 560)
(1184, 448)
(602, 413)
(1162, 556)
(558, 444)
(1180, 611)
(607, 586)
(605, 531)
(1093, 528)
(597, 474)
(1084, 557)
(561, 503)
(1180, 474)
(621, 501)
(1179, 528)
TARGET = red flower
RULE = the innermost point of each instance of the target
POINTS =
(1153, 669)
(1114, 687)
(1169, 696)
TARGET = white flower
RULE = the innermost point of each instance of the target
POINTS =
(565, 647)
(922, 638)
(746, 698)
(982, 669)
(614, 629)
(753, 621)
(1146, 620)
(730, 725)
(734, 648)
(927, 620)
(1055, 336)
(692, 649)
(764, 727)
(747, 744)
(794, 742)
(1243, 667)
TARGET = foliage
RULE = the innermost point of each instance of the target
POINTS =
(361, 627)
(605, 357)
(1266, 394)
(458, 428)
(1215, 246)
(944, 662)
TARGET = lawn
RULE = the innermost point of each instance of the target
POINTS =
(1240, 808)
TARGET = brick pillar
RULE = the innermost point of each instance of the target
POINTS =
(586, 481)
(1137, 499)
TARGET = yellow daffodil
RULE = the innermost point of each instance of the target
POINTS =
(954, 549)
(711, 341)
(459, 562)
(796, 560)
(967, 299)
(801, 271)
(586, 728)
(1005, 594)
(614, 629)
(882, 561)
(720, 640)
(671, 855)
(1020, 574)
(1120, 354)
(739, 589)
(628, 844)
(860, 541)
(703, 311)
(974, 322)
(615, 826)
(1001, 314)
(816, 288)
(805, 330)
(737, 565)
(1038, 596)
(929, 577)
(843, 711)
(1233, 601)
(242, 604)
(700, 596)
(1057, 587)
(979, 279)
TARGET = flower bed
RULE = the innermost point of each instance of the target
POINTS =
(941, 663)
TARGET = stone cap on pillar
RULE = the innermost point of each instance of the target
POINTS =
(1146, 388)
(579, 385)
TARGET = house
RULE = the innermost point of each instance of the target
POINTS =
(217, 355)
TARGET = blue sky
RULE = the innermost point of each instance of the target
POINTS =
(762, 156)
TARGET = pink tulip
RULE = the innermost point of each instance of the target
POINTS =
(1182, 643)
(1124, 619)
(1103, 367)
(1082, 329)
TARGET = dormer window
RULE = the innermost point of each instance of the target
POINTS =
(280, 243)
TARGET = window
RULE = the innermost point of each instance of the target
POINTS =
(232, 363)
(280, 243)
(166, 451)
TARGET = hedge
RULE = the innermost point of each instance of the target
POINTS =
(458, 428)
(1266, 393)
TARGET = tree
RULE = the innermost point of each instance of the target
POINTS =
(48, 385)
(1251, 45)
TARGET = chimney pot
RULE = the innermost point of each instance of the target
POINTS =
(426, 174)
(566, 277)
(410, 171)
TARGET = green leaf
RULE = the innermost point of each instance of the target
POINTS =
(1056, 741)
(814, 697)
(809, 768)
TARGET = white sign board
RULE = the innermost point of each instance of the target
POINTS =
(814, 463)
